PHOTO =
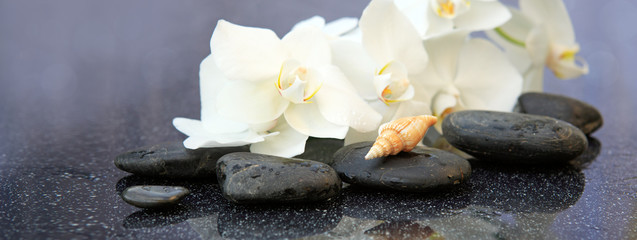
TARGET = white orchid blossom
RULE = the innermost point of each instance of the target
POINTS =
(387, 67)
(214, 130)
(541, 34)
(288, 80)
(469, 74)
(434, 17)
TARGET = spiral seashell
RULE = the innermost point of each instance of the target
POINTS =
(402, 134)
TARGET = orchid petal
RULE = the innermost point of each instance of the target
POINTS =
(489, 85)
(340, 26)
(483, 16)
(519, 56)
(308, 120)
(188, 126)
(518, 26)
(388, 35)
(442, 102)
(315, 21)
(331, 76)
(437, 25)
(537, 44)
(211, 81)
(534, 79)
(444, 51)
(288, 142)
(415, 11)
(199, 137)
(570, 69)
(411, 108)
(354, 35)
(555, 15)
(246, 53)
(343, 108)
(357, 66)
(431, 84)
(250, 102)
(307, 45)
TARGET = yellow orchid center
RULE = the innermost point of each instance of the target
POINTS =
(450, 8)
(392, 83)
(296, 83)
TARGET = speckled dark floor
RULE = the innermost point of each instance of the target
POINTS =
(81, 81)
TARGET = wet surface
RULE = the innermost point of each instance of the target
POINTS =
(81, 82)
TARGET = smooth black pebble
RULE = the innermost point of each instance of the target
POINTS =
(580, 114)
(256, 178)
(514, 138)
(422, 169)
(152, 196)
(173, 160)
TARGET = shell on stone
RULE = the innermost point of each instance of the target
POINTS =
(402, 134)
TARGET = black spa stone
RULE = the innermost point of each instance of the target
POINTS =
(580, 114)
(173, 160)
(422, 169)
(151, 196)
(256, 178)
(514, 138)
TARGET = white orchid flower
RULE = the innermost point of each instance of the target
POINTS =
(434, 17)
(214, 130)
(387, 67)
(290, 79)
(469, 74)
(539, 35)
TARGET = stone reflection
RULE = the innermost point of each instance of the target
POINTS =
(591, 153)
(278, 222)
(392, 205)
(526, 189)
(396, 230)
(150, 218)
(204, 199)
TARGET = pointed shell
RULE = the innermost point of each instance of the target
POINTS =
(402, 134)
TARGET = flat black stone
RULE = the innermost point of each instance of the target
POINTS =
(150, 196)
(581, 114)
(422, 169)
(514, 138)
(252, 178)
(173, 160)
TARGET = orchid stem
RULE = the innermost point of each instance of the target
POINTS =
(509, 38)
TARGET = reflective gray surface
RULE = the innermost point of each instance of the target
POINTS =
(81, 81)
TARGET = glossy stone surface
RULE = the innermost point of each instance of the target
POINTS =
(422, 169)
(152, 196)
(513, 138)
(584, 116)
(257, 178)
(173, 160)
(83, 81)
